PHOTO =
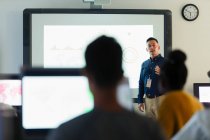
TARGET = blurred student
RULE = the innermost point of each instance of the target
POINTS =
(197, 128)
(178, 106)
(9, 123)
(7, 110)
(108, 120)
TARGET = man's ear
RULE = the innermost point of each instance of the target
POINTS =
(158, 47)
(87, 74)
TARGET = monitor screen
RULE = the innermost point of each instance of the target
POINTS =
(10, 89)
(57, 38)
(52, 97)
(202, 92)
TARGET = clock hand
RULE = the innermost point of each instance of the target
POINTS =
(187, 10)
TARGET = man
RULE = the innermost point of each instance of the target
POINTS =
(108, 120)
(148, 81)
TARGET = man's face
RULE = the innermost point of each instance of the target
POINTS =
(153, 48)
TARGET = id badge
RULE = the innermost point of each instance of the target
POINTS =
(149, 82)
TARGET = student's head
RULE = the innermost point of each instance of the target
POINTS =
(153, 47)
(174, 71)
(104, 62)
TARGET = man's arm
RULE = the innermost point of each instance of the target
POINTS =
(141, 91)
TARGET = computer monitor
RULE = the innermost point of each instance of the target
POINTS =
(52, 97)
(202, 92)
(10, 89)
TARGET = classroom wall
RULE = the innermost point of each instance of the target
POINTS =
(191, 37)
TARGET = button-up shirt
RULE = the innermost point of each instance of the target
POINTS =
(148, 72)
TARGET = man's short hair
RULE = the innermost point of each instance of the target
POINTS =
(104, 61)
(152, 38)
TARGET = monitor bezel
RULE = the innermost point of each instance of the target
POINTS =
(27, 46)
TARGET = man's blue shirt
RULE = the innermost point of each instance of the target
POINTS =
(148, 71)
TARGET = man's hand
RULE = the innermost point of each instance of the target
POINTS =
(141, 107)
(157, 70)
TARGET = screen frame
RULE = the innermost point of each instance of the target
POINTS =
(27, 45)
(28, 71)
(196, 92)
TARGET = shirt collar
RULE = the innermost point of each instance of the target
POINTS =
(156, 57)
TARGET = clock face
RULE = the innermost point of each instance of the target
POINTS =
(190, 12)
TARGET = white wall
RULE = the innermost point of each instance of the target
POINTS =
(191, 37)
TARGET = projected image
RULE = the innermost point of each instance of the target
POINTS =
(64, 45)
(10, 92)
(49, 101)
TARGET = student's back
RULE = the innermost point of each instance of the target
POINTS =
(176, 109)
(197, 128)
(178, 106)
(108, 120)
(102, 125)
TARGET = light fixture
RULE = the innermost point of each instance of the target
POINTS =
(97, 4)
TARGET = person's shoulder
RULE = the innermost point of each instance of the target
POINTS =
(70, 129)
(147, 128)
(161, 58)
(197, 127)
(146, 62)
(206, 112)
(75, 122)
(143, 121)
(191, 98)
(203, 116)
(177, 96)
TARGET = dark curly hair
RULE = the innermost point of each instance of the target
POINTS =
(174, 71)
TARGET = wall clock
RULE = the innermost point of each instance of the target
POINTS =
(190, 12)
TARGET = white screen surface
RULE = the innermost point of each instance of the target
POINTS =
(62, 42)
(49, 101)
(204, 94)
(10, 92)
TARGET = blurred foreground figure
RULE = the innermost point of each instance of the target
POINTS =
(108, 120)
(178, 106)
(197, 128)
(9, 125)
